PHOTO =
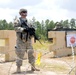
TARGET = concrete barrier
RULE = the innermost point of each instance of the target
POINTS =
(59, 42)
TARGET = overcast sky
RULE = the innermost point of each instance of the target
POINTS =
(40, 9)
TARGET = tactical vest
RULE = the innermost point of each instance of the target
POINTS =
(24, 36)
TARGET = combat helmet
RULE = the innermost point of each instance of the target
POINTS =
(21, 10)
(58, 25)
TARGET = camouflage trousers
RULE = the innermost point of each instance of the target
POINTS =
(21, 48)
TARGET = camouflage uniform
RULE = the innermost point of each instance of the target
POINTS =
(22, 45)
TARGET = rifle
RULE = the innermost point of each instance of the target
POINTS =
(32, 32)
(29, 30)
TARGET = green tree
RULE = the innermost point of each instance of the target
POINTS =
(47, 24)
(61, 22)
(3, 24)
(66, 24)
(46, 27)
(38, 29)
(72, 23)
(43, 31)
(51, 25)
(10, 26)
(33, 22)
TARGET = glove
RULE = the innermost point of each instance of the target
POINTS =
(25, 30)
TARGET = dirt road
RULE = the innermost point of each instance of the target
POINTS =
(49, 66)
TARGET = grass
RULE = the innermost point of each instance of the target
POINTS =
(57, 68)
(54, 67)
(43, 46)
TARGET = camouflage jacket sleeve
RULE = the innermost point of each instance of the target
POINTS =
(17, 26)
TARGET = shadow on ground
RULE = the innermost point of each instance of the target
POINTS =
(23, 72)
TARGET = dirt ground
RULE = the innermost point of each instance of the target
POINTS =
(48, 66)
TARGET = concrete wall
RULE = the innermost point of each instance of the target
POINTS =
(59, 43)
(7, 44)
(8, 49)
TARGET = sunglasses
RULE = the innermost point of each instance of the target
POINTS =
(24, 12)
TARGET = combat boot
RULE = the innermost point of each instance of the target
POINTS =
(33, 68)
(18, 69)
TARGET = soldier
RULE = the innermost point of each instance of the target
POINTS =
(23, 45)
(58, 26)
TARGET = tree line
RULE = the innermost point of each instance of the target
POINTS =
(41, 27)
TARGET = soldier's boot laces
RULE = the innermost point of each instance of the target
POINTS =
(18, 69)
